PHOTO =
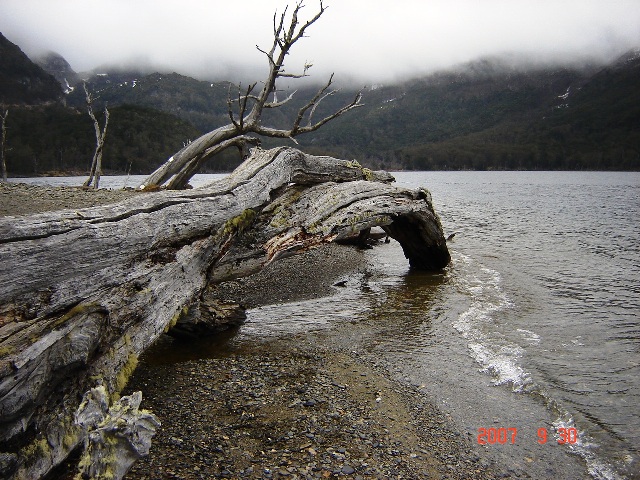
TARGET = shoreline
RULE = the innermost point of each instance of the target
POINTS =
(289, 407)
(298, 406)
(25, 199)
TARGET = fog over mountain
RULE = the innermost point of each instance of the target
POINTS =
(367, 41)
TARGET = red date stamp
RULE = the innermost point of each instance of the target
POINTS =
(501, 436)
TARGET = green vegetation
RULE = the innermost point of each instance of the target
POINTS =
(54, 139)
(240, 223)
(7, 350)
(174, 320)
(496, 120)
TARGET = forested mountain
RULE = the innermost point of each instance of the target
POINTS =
(488, 114)
(22, 82)
(203, 104)
(45, 135)
(54, 139)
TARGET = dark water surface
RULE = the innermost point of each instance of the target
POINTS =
(535, 325)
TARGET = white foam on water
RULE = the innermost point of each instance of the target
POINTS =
(501, 360)
(597, 468)
(502, 365)
(487, 298)
(530, 337)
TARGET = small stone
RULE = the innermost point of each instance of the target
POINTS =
(348, 470)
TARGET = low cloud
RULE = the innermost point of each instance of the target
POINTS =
(372, 41)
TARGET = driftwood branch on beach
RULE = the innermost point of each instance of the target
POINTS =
(86, 292)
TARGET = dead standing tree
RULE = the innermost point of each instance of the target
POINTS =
(96, 164)
(3, 141)
(179, 169)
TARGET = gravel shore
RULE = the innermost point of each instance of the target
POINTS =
(291, 407)
(299, 406)
(24, 199)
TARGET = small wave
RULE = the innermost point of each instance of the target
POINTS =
(487, 296)
(597, 468)
(502, 366)
(529, 336)
(501, 360)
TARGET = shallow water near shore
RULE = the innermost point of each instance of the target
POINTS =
(535, 325)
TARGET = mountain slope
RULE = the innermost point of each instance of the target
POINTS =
(485, 114)
(22, 82)
(56, 65)
(203, 104)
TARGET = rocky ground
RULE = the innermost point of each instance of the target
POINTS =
(291, 407)
(294, 407)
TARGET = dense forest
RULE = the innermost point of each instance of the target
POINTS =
(483, 115)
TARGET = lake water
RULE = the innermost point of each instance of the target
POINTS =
(535, 326)
(544, 297)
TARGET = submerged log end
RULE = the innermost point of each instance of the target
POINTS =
(422, 240)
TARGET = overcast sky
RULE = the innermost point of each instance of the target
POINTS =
(369, 40)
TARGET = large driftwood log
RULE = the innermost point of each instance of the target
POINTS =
(85, 292)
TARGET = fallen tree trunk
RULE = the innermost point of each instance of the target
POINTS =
(86, 292)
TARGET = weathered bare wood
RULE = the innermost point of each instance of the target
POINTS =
(115, 437)
(101, 134)
(3, 142)
(86, 292)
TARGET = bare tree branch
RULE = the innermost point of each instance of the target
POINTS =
(230, 109)
(245, 112)
(281, 103)
(297, 130)
(181, 180)
(311, 103)
(313, 109)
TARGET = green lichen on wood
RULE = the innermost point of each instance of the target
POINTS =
(124, 374)
(8, 350)
(281, 210)
(71, 433)
(104, 468)
(240, 223)
(69, 440)
(174, 320)
(354, 164)
(37, 449)
(366, 172)
(80, 309)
